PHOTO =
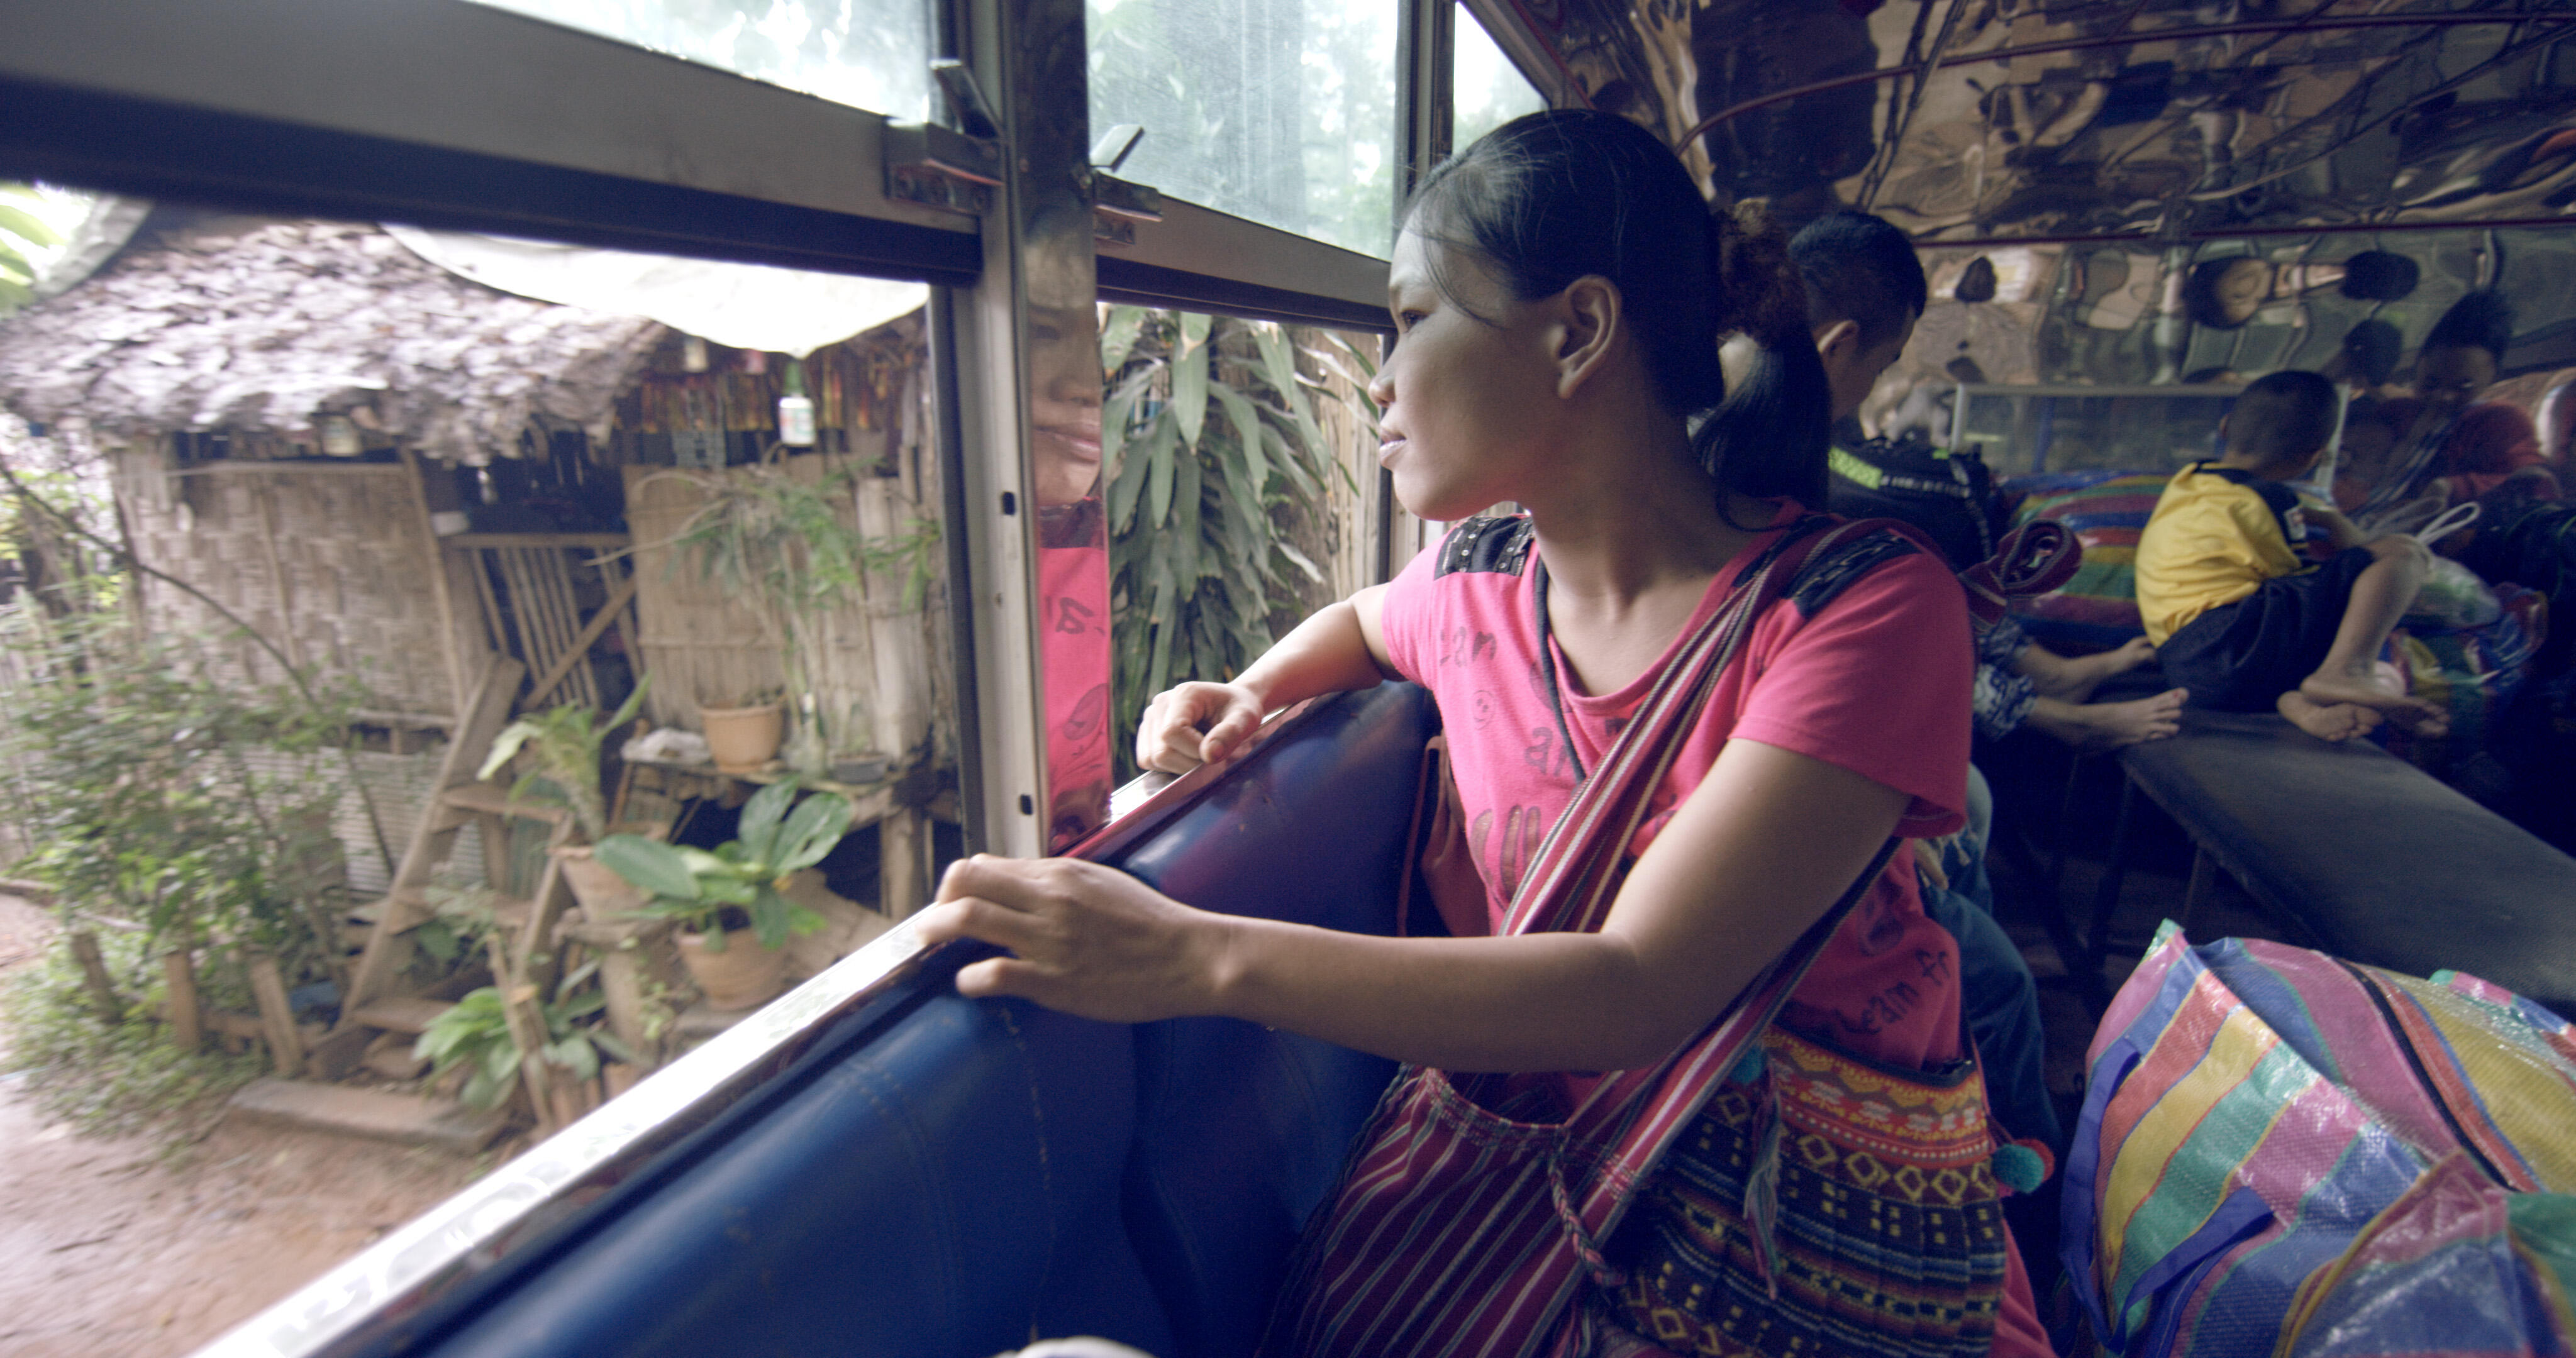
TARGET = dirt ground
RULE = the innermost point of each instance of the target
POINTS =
(106, 1249)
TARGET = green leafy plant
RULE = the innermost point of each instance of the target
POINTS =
(113, 1079)
(19, 206)
(786, 545)
(461, 919)
(475, 1034)
(160, 794)
(564, 742)
(1217, 442)
(736, 886)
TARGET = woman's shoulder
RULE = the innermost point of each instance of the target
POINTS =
(1855, 551)
(1489, 544)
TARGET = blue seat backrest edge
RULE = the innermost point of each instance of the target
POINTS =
(946, 1178)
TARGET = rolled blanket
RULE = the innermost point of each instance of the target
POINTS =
(2031, 560)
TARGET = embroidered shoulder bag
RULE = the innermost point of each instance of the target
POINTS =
(1461, 1230)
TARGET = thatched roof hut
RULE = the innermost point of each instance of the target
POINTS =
(393, 471)
(261, 327)
(213, 361)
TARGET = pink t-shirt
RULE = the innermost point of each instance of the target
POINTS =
(1877, 682)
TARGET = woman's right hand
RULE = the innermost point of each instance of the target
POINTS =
(1194, 724)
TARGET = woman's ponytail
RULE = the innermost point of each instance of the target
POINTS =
(1769, 438)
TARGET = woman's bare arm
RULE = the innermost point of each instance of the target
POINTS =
(1338, 647)
(1753, 857)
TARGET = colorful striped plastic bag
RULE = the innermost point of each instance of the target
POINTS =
(2271, 1136)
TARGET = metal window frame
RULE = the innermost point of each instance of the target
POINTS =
(459, 115)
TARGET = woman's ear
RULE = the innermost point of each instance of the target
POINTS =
(1584, 330)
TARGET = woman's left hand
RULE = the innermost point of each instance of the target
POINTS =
(1090, 940)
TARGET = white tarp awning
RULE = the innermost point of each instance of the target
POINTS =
(743, 306)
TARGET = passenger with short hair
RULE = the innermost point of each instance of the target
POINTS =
(1865, 291)
(2444, 442)
(2238, 617)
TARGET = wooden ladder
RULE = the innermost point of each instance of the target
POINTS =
(406, 906)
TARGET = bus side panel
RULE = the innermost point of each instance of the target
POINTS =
(949, 1189)
(1242, 1131)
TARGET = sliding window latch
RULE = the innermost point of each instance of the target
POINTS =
(956, 168)
(1117, 204)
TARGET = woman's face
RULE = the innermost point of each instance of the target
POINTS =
(2448, 379)
(1065, 372)
(1469, 397)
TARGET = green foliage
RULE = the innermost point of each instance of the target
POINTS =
(1286, 120)
(783, 544)
(121, 1078)
(1216, 435)
(138, 782)
(67, 575)
(565, 741)
(20, 208)
(476, 1035)
(705, 892)
(461, 918)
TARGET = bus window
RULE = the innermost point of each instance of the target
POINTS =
(1241, 495)
(1281, 113)
(873, 54)
(397, 467)
(1489, 90)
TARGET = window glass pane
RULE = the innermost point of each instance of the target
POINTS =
(871, 54)
(1282, 111)
(1239, 491)
(1488, 89)
(386, 459)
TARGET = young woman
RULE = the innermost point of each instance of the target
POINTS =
(1559, 291)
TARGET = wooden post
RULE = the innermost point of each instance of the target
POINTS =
(459, 688)
(263, 493)
(102, 989)
(903, 861)
(276, 1016)
(621, 979)
(527, 1024)
(187, 1025)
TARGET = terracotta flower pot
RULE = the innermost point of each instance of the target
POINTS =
(743, 738)
(605, 897)
(743, 976)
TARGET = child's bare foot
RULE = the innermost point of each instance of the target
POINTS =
(2330, 687)
(2072, 679)
(2333, 722)
(2110, 726)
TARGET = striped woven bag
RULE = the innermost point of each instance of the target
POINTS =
(2282, 1152)
(1461, 1230)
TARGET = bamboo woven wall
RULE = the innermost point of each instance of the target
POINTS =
(333, 564)
(875, 660)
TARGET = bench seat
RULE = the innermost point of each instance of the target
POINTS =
(2377, 860)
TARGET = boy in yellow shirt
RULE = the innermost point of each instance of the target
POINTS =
(2238, 617)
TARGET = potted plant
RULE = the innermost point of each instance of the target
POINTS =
(743, 736)
(785, 544)
(563, 748)
(717, 898)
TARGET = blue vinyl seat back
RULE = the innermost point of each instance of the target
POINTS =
(1241, 1131)
(943, 1178)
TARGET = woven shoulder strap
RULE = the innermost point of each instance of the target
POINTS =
(1573, 877)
